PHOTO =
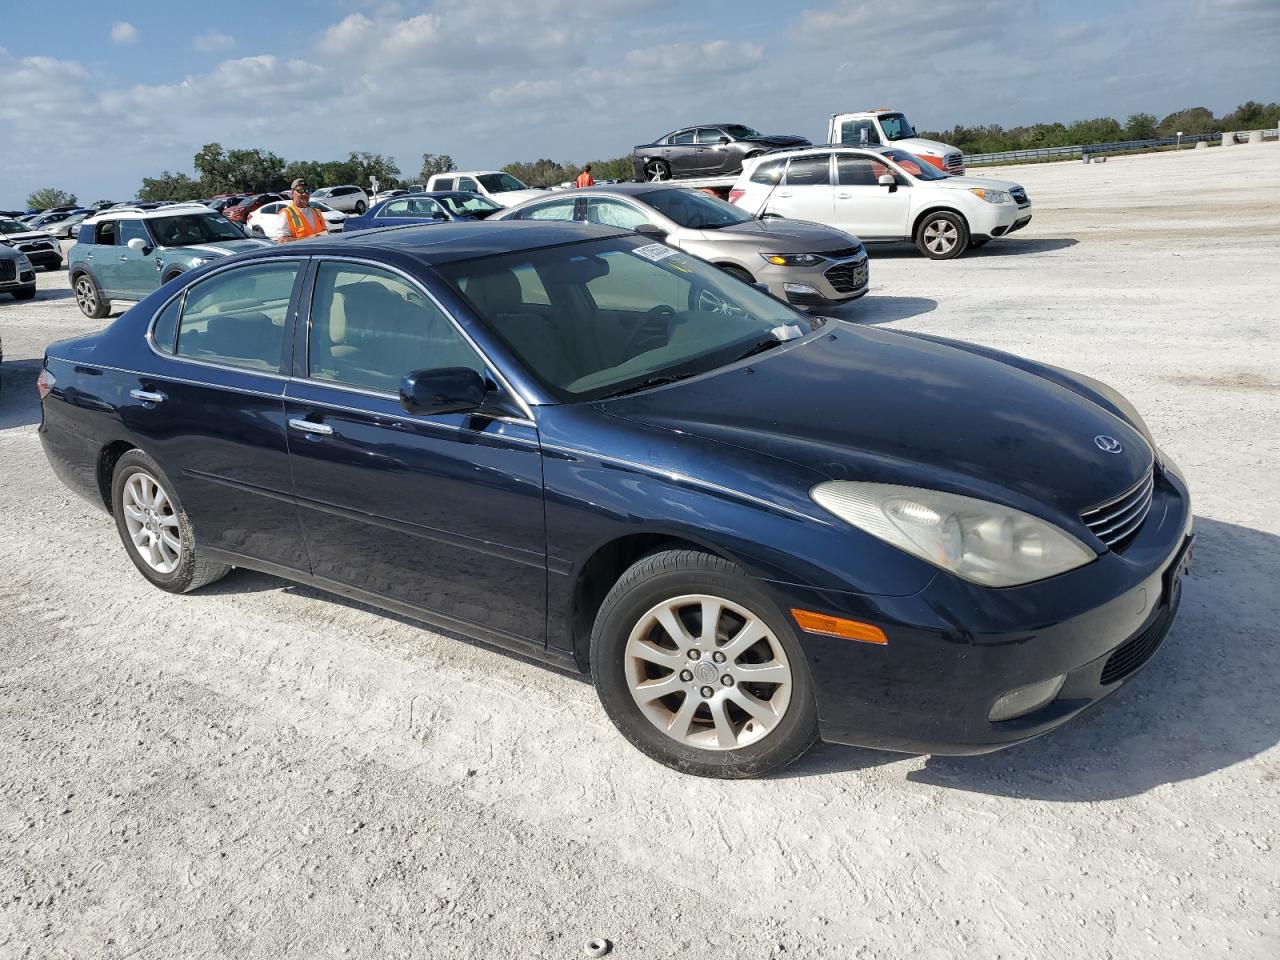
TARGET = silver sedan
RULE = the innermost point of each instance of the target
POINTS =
(805, 264)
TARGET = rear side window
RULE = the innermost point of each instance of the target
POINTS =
(809, 171)
(86, 235)
(107, 233)
(769, 172)
(237, 317)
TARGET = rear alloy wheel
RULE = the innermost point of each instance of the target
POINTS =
(156, 531)
(89, 298)
(699, 670)
(656, 170)
(942, 235)
(360, 207)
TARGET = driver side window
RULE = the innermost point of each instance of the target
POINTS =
(130, 229)
(555, 210)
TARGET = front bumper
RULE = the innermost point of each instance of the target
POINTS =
(23, 280)
(45, 256)
(999, 219)
(829, 283)
(955, 648)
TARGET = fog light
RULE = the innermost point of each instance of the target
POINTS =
(1017, 703)
(800, 288)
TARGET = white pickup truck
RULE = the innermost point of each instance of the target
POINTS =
(883, 127)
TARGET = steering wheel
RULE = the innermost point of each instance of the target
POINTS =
(661, 310)
(710, 302)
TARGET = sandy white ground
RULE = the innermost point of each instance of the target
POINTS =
(264, 771)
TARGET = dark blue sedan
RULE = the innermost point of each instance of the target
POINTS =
(751, 527)
(437, 206)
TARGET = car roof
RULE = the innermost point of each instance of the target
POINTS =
(133, 213)
(821, 148)
(465, 173)
(451, 242)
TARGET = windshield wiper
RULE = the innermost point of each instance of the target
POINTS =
(760, 346)
(646, 383)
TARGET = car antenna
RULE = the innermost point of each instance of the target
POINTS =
(769, 196)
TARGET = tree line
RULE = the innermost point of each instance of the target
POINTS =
(994, 138)
(252, 170)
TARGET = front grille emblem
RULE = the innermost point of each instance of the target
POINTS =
(1108, 444)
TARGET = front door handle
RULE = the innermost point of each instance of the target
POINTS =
(146, 396)
(844, 196)
(784, 194)
(306, 426)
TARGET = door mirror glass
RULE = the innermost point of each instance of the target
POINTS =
(443, 390)
(137, 245)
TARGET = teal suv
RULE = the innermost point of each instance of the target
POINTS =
(126, 254)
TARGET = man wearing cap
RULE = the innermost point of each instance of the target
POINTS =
(299, 219)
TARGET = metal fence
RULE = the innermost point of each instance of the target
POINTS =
(1090, 149)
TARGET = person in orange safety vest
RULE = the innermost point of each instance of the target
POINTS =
(585, 179)
(299, 219)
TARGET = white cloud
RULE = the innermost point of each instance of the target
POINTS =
(124, 32)
(213, 41)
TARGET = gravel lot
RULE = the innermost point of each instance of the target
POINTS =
(264, 771)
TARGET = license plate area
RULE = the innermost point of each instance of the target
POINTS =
(1181, 565)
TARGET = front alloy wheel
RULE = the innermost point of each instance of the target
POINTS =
(942, 236)
(698, 668)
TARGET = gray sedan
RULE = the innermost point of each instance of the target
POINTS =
(806, 264)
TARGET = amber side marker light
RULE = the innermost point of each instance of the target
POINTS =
(811, 622)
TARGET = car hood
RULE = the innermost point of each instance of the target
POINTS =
(512, 197)
(921, 145)
(967, 183)
(223, 248)
(787, 236)
(858, 404)
(27, 235)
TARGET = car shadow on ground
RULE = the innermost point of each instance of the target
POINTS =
(999, 247)
(1206, 701)
(61, 293)
(19, 402)
(875, 309)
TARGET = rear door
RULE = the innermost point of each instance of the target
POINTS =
(806, 192)
(211, 411)
(101, 259)
(442, 513)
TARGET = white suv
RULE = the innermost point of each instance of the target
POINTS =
(882, 194)
(347, 198)
(502, 188)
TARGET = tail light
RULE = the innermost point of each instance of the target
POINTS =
(45, 382)
(735, 195)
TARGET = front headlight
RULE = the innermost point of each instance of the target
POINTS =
(992, 196)
(792, 259)
(987, 543)
(24, 261)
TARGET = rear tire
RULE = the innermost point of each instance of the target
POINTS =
(156, 531)
(360, 207)
(657, 170)
(89, 297)
(942, 235)
(718, 718)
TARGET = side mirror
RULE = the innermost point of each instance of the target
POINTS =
(724, 141)
(444, 390)
(888, 180)
(439, 215)
(138, 245)
(649, 230)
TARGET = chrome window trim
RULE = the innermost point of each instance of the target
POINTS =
(416, 283)
(149, 336)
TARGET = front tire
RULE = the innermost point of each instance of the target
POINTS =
(156, 531)
(24, 293)
(738, 273)
(697, 667)
(942, 235)
(53, 267)
(360, 207)
(89, 298)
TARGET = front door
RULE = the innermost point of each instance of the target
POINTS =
(137, 273)
(866, 208)
(443, 513)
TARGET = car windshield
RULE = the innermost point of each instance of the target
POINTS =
(915, 166)
(895, 127)
(607, 317)
(468, 203)
(500, 182)
(13, 226)
(180, 231)
(692, 209)
(739, 132)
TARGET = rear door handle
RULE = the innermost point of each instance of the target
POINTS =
(306, 426)
(844, 196)
(784, 194)
(146, 396)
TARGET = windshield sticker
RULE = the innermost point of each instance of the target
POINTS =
(654, 252)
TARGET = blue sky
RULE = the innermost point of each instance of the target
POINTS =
(95, 96)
